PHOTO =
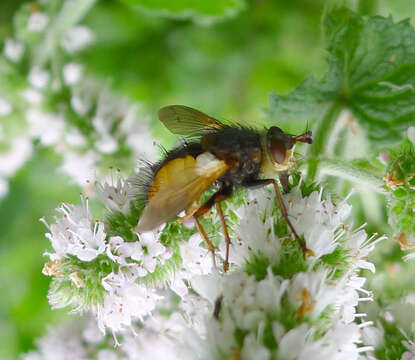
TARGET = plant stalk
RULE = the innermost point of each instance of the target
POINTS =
(321, 134)
(71, 13)
(349, 172)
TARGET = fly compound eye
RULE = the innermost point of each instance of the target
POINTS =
(278, 152)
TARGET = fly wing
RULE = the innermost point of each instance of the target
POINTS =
(184, 120)
(181, 191)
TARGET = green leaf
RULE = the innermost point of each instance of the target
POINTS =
(306, 102)
(371, 71)
(199, 11)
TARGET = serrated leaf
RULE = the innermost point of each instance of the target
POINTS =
(308, 101)
(199, 11)
(371, 71)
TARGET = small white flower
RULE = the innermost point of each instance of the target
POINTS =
(126, 301)
(154, 249)
(220, 340)
(139, 137)
(317, 219)
(194, 309)
(195, 259)
(63, 343)
(113, 250)
(91, 334)
(156, 343)
(311, 294)
(107, 354)
(255, 233)
(142, 142)
(209, 286)
(5, 107)
(147, 251)
(297, 344)
(37, 21)
(20, 151)
(269, 292)
(348, 299)
(39, 77)
(81, 167)
(254, 350)
(117, 196)
(373, 336)
(76, 233)
(47, 127)
(77, 38)
(88, 242)
(360, 246)
(74, 137)
(240, 292)
(179, 286)
(79, 104)
(72, 73)
(106, 144)
(13, 50)
(343, 338)
(32, 96)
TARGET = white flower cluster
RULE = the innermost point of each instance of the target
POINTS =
(262, 309)
(75, 236)
(76, 233)
(85, 156)
(86, 146)
(272, 303)
(19, 151)
(82, 340)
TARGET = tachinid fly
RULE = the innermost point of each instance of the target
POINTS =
(227, 155)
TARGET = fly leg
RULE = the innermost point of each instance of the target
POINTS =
(284, 182)
(206, 239)
(216, 198)
(263, 182)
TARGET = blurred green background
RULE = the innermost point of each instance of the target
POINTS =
(226, 68)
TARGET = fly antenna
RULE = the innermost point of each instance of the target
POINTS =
(305, 137)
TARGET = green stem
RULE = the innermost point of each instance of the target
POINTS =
(71, 13)
(321, 134)
(350, 172)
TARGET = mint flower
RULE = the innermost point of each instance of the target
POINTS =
(101, 266)
(76, 233)
(89, 126)
(5, 107)
(77, 39)
(37, 21)
(116, 197)
(270, 301)
(72, 73)
(13, 50)
(18, 151)
(38, 77)
(124, 301)
(273, 300)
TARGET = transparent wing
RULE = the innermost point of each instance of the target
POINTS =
(184, 120)
(179, 193)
